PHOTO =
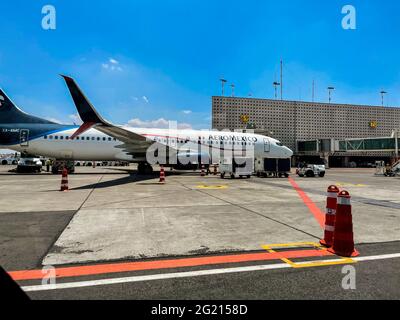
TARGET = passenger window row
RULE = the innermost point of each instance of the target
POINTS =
(56, 137)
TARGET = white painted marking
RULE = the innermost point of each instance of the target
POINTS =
(381, 257)
(154, 277)
(177, 275)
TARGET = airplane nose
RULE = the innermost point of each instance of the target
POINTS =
(289, 152)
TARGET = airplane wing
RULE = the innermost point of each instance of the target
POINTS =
(133, 143)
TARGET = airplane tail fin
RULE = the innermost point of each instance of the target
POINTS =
(87, 112)
(10, 113)
(85, 109)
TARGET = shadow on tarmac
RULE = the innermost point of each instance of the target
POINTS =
(117, 182)
(133, 178)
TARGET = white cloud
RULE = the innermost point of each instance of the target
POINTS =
(145, 99)
(159, 124)
(112, 65)
(187, 112)
(54, 120)
(71, 118)
(75, 118)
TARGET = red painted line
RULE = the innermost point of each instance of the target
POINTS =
(165, 264)
(318, 214)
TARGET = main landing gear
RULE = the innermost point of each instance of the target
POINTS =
(144, 168)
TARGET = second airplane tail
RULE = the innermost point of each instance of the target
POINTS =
(10, 113)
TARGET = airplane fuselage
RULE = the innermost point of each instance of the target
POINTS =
(54, 141)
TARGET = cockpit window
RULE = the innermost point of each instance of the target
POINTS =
(280, 144)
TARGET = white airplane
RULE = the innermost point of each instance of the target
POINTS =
(99, 140)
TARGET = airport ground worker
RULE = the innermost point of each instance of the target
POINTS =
(388, 168)
(48, 163)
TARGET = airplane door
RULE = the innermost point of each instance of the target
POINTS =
(24, 138)
(267, 145)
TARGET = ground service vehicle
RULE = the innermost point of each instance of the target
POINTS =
(29, 165)
(312, 170)
(237, 167)
(8, 161)
(269, 167)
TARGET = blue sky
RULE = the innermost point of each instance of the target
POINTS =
(142, 61)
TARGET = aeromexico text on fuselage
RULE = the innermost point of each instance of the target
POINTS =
(233, 138)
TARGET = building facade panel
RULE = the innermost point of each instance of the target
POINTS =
(290, 121)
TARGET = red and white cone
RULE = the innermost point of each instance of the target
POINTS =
(162, 175)
(331, 202)
(64, 180)
(343, 238)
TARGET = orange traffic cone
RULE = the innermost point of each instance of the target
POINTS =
(331, 203)
(343, 238)
(64, 180)
(203, 173)
(162, 175)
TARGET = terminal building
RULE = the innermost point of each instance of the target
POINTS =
(341, 134)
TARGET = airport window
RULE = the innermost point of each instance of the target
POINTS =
(67, 137)
(61, 137)
(87, 138)
(109, 139)
(56, 137)
(93, 138)
(98, 138)
(45, 137)
(115, 139)
(104, 139)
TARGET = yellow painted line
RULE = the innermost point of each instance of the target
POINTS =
(212, 187)
(340, 184)
(312, 264)
(321, 264)
(292, 245)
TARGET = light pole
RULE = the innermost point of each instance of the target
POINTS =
(330, 89)
(383, 96)
(223, 81)
(281, 84)
(276, 84)
(233, 89)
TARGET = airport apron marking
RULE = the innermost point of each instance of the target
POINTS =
(164, 264)
(180, 275)
(318, 214)
(340, 184)
(270, 248)
(212, 187)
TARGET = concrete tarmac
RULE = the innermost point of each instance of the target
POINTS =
(111, 215)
